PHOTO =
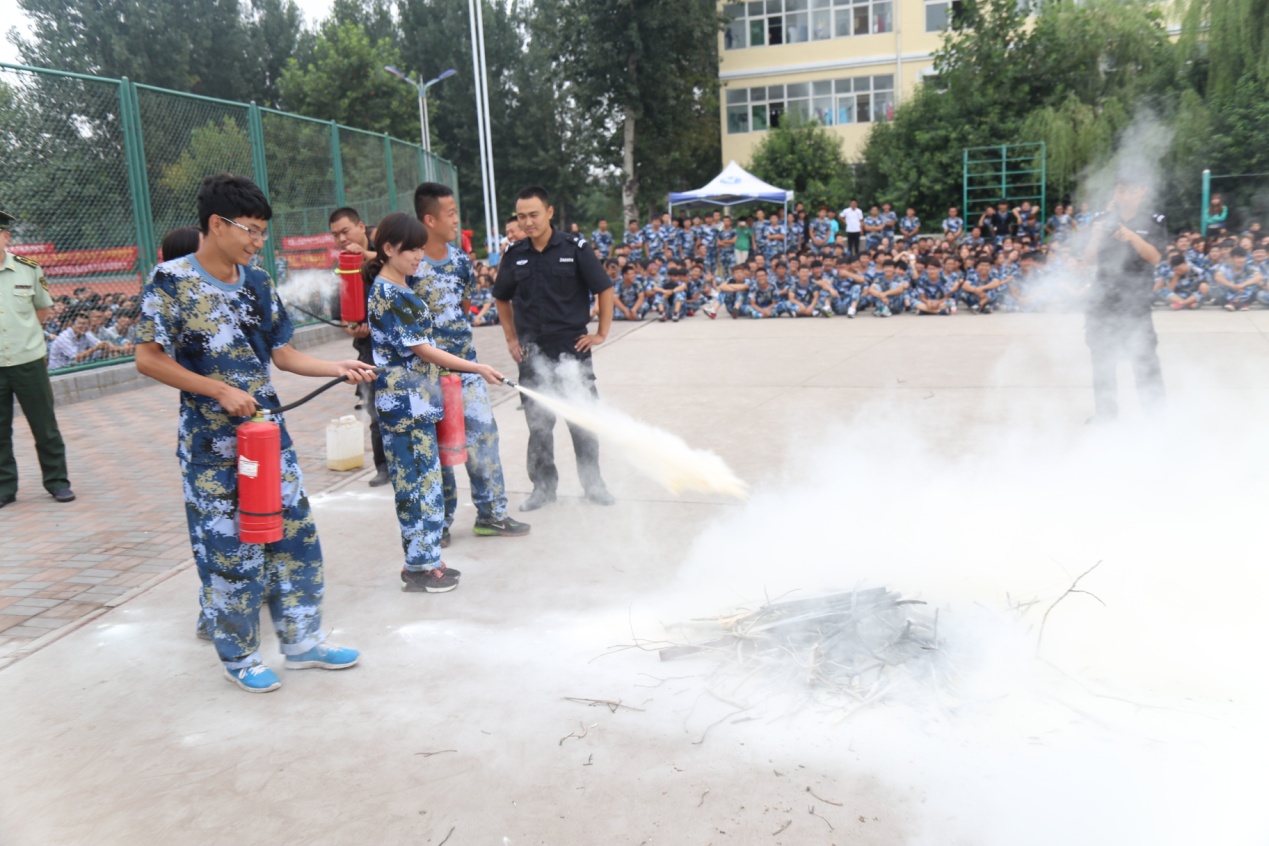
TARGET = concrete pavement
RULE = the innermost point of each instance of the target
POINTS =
(456, 728)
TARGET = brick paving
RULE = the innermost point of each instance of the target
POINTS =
(63, 563)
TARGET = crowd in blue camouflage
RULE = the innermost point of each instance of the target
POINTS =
(844, 263)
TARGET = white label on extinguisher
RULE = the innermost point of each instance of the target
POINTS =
(247, 467)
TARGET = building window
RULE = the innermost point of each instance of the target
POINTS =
(936, 14)
(831, 102)
(762, 23)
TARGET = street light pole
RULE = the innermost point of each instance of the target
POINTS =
(425, 130)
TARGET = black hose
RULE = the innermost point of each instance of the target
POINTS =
(325, 320)
(338, 380)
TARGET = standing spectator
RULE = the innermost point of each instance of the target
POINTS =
(874, 228)
(744, 238)
(820, 232)
(889, 220)
(544, 304)
(351, 237)
(726, 248)
(853, 217)
(25, 304)
(180, 242)
(910, 227)
(1217, 216)
(602, 239)
(953, 224)
(633, 239)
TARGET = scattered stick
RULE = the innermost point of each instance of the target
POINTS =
(611, 705)
(716, 722)
(446, 840)
(660, 681)
(811, 810)
(430, 754)
(585, 731)
(822, 799)
(589, 761)
(1074, 588)
(787, 823)
(703, 795)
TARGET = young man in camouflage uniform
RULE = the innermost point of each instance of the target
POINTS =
(445, 282)
(223, 323)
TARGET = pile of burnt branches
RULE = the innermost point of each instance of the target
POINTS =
(847, 649)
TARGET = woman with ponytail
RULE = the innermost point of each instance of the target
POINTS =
(408, 398)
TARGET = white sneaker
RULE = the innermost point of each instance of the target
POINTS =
(850, 312)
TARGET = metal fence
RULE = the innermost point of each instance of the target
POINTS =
(97, 170)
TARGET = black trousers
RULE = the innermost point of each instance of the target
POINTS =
(537, 371)
(1111, 341)
(366, 391)
(852, 242)
(30, 384)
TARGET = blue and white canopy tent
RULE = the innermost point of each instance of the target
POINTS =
(733, 186)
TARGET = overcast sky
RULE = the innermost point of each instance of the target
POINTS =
(11, 15)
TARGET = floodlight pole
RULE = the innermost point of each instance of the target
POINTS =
(425, 129)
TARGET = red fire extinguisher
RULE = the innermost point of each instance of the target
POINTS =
(259, 481)
(352, 288)
(451, 431)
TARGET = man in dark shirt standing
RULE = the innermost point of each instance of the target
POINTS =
(543, 295)
(1118, 324)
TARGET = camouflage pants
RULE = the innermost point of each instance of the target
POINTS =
(239, 578)
(414, 466)
(484, 464)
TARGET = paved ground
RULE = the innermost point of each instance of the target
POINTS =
(62, 563)
(455, 725)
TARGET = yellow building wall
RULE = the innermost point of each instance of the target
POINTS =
(904, 53)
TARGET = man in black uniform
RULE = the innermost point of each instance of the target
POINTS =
(543, 295)
(351, 236)
(1118, 324)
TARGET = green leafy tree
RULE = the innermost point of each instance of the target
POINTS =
(1071, 76)
(650, 67)
(798, 155)
(344, 81)
(220, 48)
(208, 147)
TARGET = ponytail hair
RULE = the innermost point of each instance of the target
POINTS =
(402, 232)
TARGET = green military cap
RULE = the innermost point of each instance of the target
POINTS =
(6, 220)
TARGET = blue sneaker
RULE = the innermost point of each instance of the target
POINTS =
(254, 679)
(324, 657)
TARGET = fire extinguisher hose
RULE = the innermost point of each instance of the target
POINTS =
(325, 320)
(339, 380)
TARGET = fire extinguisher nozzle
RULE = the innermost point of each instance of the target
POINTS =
(508, 382)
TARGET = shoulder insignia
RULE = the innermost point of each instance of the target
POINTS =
(27, 260)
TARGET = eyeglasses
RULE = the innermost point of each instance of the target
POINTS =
(254, 233)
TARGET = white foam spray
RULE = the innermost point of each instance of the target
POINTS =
(662, 456)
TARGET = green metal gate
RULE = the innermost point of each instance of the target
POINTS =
(1011, 172)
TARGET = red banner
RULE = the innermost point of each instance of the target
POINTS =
(308, 242)
(30, 249)
(324, 260)
(85, 262)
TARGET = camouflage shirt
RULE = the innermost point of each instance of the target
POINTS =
(409, 389)
(442, 286)
(218, 330)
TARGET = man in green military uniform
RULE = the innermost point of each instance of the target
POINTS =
(24, 305)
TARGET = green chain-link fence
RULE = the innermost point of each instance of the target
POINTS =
(97, 171)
